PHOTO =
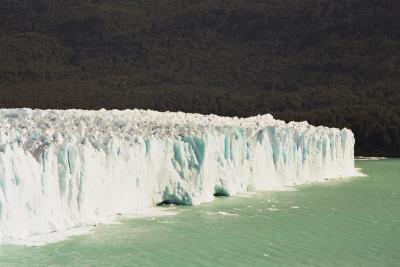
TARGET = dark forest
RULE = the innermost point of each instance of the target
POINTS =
(330, 62)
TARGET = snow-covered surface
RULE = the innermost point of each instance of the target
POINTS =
(76, 168)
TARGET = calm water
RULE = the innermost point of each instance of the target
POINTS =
(353, 222)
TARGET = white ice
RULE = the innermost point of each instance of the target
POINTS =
(76, 168)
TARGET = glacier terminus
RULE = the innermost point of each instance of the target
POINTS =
(61, 169)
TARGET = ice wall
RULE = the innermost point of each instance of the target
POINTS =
(62, 169)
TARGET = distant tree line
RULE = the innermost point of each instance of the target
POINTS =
(330, 62)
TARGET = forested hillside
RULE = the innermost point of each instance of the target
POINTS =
(331, 62)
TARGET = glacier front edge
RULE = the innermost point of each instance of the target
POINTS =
(61, 169)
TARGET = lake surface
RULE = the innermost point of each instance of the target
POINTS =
(351, 222)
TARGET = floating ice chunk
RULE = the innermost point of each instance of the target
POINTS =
(222, 213)
(272, 209)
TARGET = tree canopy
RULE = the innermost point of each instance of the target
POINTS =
(330, 62)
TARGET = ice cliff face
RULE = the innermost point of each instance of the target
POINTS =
(61, 169)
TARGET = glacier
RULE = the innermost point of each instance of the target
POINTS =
(61, 169)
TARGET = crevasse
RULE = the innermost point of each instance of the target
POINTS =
(64, 169)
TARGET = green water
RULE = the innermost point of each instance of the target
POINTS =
(352, 222)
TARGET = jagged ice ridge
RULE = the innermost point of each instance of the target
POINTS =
(61, 169)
